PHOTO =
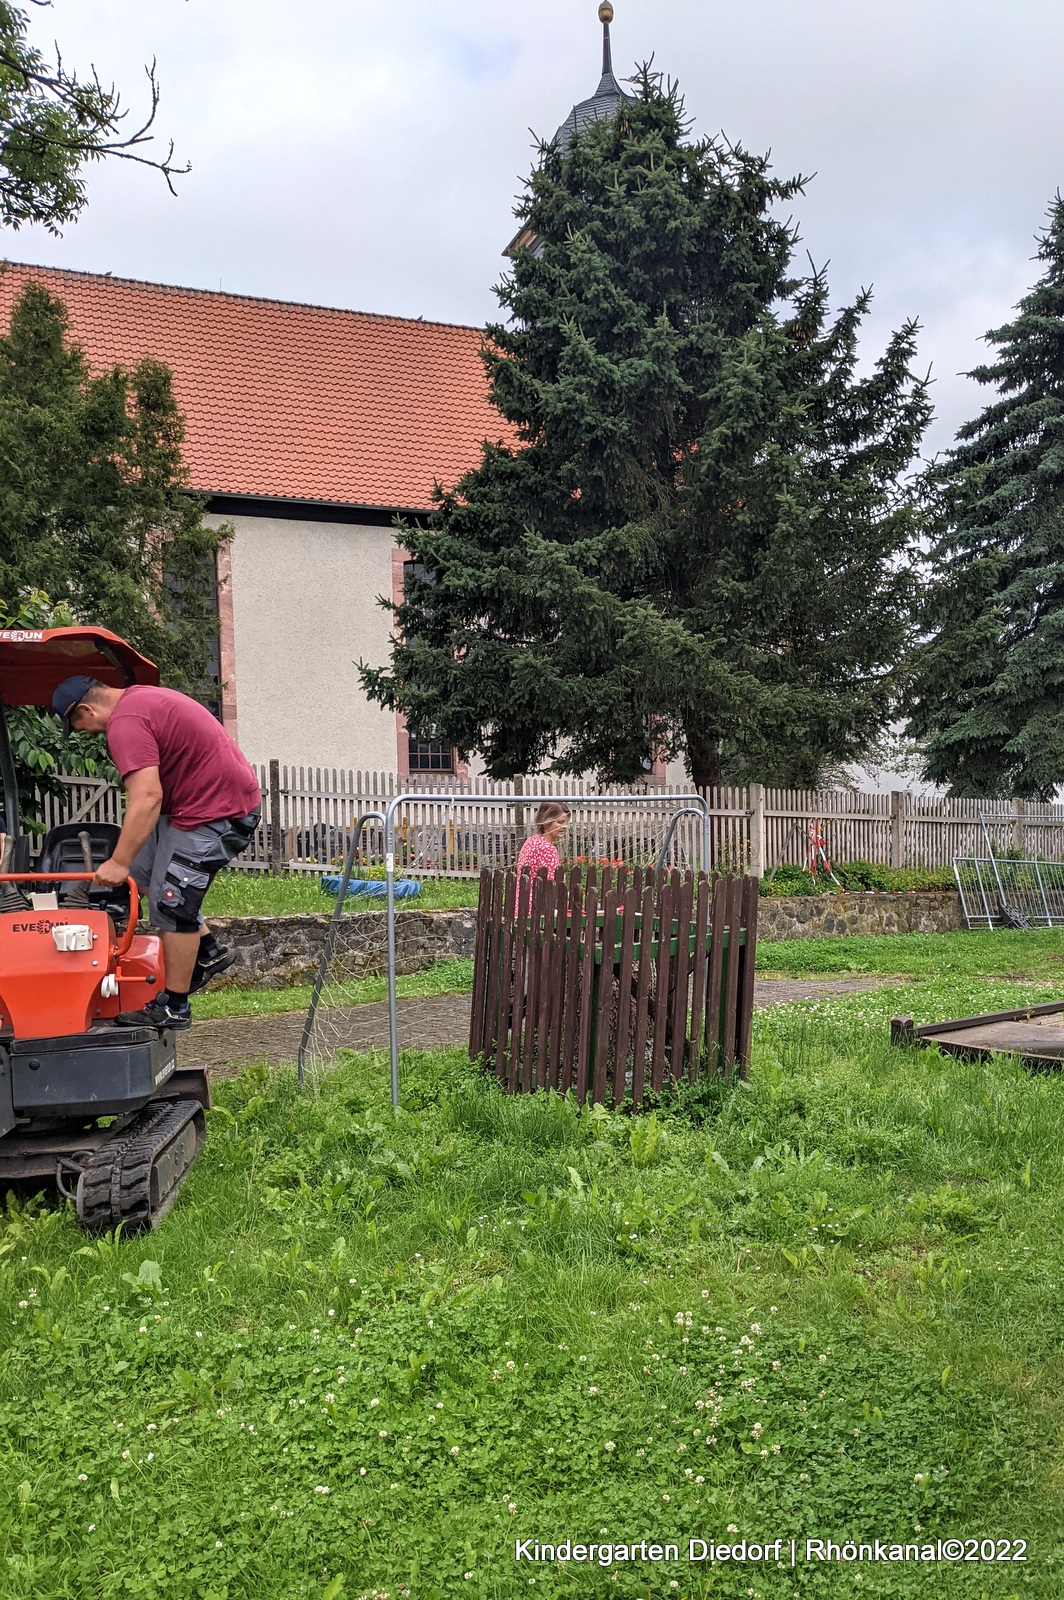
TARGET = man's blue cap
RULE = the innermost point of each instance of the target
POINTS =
(69, 694)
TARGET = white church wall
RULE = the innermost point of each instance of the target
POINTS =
(305, 612)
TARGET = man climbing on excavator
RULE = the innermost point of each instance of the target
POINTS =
(192, 805)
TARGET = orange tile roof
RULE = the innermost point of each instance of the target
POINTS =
(291, 401)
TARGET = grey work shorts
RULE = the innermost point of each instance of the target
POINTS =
(176, 866)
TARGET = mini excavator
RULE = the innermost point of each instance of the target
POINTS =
(91, 1095)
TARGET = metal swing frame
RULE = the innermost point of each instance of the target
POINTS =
(682, 804)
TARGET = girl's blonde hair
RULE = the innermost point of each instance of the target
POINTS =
(550, 811)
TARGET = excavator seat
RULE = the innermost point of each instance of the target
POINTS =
(61, 852)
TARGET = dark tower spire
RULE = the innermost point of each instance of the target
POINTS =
(606, 17)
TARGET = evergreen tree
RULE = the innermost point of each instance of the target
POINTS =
(689, 536)
(94, 507)
(988, 697)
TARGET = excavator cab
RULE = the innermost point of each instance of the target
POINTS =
(95, 1104)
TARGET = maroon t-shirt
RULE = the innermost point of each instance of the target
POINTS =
(203, 774)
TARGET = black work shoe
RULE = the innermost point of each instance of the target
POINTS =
(205, 969)
(162, 1013)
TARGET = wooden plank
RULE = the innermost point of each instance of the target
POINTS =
(624, 992)
(485, 928)
(493, 962)
(520, 936)
(665, 911)
(929, 1030)
(698, 977)
(571, 994)
(1016, 1038)
(557, 977)
(589, 935)
(546, 987)
(745, 1023)
(642, 995)
(714, 1050)
(681, 972)
(606, 882)
(605, 997)
(731, 977)
(506, 987)
(533, 981)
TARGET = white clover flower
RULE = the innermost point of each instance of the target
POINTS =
(454, 1449)
(374, 1402)
(610, 1445)
(83, 1477)
(125, 1455)
(321, 1488)
(510, 1365)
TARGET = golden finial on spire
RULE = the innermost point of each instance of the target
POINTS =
(605, 11)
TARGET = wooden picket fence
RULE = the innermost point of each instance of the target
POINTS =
(612, 984)
(308, 812)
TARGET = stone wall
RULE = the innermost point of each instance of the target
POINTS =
(814, 916)
(275, 952)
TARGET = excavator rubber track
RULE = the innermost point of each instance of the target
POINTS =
(134, 1178)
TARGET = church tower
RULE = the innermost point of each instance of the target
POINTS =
(607, 98)
(605, 102)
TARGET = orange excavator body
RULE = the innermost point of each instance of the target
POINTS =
(75, 1045)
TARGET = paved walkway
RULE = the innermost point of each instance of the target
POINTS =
(427, 1023)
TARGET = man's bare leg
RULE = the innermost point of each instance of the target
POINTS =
(179, 953)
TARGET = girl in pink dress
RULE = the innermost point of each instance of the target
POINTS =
(540, 849)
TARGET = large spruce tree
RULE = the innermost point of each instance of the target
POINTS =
(688, 535)
(988, 702)
(94, 506)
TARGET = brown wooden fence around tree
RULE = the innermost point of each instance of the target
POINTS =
(613, 983)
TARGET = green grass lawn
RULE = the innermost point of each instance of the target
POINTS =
(246, 894)
(997, 953)
(444, 977)
(367, 1353)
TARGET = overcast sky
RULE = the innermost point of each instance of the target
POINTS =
(352, 153)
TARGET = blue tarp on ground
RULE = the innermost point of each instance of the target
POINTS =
(405, 888)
